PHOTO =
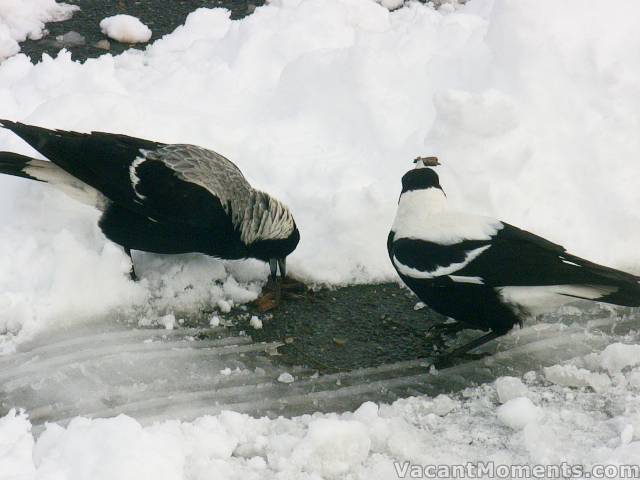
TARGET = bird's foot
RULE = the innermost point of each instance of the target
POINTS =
(289, 286)
(441, 329)
(448, 359)
(275, 291)
(451, 359)
(132, 274)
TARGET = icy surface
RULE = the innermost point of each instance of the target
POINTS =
(22, 19)
(125, 29)
(202, 406)
(551, 425)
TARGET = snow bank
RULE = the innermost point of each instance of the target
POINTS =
(22, 19)
(554, 426)
(125, 29)
(530, 105)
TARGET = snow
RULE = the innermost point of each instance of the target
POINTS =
(554, 425)
(332, 447)
(391, 4)
(518, 412)
(255, 322)
(23, 19)
(167, 321)
(531, 107)
(214, 321)
(125, 29)
(224, 306)
(286, 377)
(572, 376)
(509, 388)
(618, 356)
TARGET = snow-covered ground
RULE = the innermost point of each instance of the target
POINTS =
(583, 414)
(532, 107)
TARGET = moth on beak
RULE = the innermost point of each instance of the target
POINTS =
(422, 162)
(278, 263)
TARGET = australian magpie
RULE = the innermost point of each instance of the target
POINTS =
(161, 198)
(484, 273)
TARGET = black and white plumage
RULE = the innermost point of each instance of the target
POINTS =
(484, 273)
(161, 198)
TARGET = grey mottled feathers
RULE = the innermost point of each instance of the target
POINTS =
(256, 214)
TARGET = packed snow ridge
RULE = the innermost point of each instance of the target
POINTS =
(22, 19)
(125, 29)
(526, 420)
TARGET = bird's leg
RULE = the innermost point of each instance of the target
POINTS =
(446, 359)
(277, 289)
(132, 272)
(271, 293)
(441, 329)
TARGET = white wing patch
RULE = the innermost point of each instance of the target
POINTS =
(440, 271)
(133, 176)
(540, 299)
(425, 215)
(464, 279)
(571, 263)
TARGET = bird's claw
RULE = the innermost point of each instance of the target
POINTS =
(274, 291)
(441, 329)
(446, 360)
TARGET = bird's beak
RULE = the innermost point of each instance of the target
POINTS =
(282, 263)
(273, 265)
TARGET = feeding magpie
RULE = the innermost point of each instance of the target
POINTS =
(484, 273)
(157, 197)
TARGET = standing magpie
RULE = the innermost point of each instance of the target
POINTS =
(161, 198)
(484, 273)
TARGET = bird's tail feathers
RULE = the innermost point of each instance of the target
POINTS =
(628, 296)
(624, 287)
(20, 165)
(48, 172)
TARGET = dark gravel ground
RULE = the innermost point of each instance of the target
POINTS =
(345, 328)
(351, 327)
(161, 16)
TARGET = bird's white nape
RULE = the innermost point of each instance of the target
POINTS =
(425, 215)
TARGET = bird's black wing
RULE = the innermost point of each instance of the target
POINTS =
(519, 258)
(512, 257)
(432, 259)
(116, 166)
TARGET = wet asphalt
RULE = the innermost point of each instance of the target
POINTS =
(327, 329)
